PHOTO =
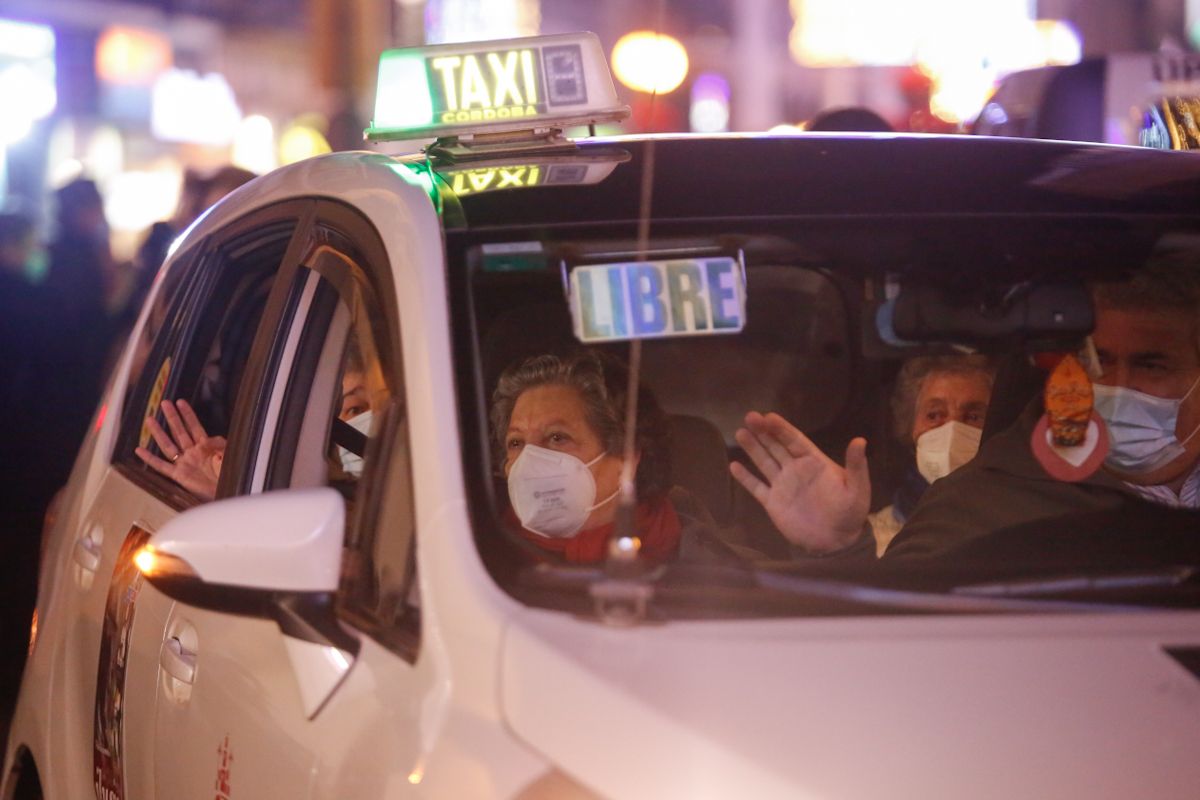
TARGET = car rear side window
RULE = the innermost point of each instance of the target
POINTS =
(195, 348)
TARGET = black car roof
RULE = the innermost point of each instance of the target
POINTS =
(818, 175)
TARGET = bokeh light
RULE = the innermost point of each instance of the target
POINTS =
(302, 139)
(131, 55)
(254, 145)
(709, 112)
(650, 62)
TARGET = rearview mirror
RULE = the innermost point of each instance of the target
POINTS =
(1024, 312)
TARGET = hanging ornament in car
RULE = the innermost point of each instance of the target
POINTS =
(1070, 440)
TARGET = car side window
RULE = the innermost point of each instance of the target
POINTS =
(195, 347)
(337, 418)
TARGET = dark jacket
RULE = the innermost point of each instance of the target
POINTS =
(1004, 488)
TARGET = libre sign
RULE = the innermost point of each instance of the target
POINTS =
(652, 299)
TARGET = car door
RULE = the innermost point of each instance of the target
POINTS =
(242, 709)
(203, 349)
(104, 505)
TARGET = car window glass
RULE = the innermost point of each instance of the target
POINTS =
(341, 423)
(206, 350)
(157, 334)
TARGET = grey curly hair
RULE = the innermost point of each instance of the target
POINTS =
(602, 381)
(913, 374)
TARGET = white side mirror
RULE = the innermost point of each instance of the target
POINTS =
(287, 541)
(275, 556)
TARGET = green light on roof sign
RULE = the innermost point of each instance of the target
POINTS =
(403, 98)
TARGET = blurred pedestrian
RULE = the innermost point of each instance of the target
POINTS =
(197, 194)
(21, 312)
(850, 118)
(79, 279)
(25, 484)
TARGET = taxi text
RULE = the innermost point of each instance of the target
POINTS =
(476, 87)
(486, 179)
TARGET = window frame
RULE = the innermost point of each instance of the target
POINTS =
(364, 263)
(204, 267)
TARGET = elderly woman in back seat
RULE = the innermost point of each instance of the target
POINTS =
(559, 429)
(939, 405)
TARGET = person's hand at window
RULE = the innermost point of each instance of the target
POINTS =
(815, 503)
(193, 458)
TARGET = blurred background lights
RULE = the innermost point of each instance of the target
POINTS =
(187, 107)
(105, 153)
(1191, 11)
(13, 127)
(963, 47)
(137, 199)
(302, 139)
(26, 40)
(959, 97)
(27, 84)
(254, 145)
(832, 33)
(1061, 43)
(709, 112)
(27, 96)
(131, 55)
(650, 62)
(470, 20)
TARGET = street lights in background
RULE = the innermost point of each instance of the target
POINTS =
(652, 65)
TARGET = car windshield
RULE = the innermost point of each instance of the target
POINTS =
(781, 324)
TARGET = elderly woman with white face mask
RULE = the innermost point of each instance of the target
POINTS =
(559, 428)
(939, 405)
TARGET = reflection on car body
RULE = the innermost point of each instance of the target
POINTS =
(313, 632)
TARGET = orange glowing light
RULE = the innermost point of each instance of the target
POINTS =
(131, 56)
(146, 560)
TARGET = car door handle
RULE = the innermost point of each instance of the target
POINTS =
(179, 663)
(87, 554)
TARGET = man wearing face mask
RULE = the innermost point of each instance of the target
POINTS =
(1147, 337)
(939, 405)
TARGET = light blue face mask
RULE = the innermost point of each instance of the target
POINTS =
(352, 463)
(1141, 428)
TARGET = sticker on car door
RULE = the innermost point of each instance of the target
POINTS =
(110, 677)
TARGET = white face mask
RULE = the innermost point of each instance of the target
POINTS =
(552, 493)
(352, 463)
(945, 448)
(1141, 427)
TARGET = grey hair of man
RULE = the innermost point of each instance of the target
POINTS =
(602, 382)
(913, 375)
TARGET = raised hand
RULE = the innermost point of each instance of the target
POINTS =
(813, 501)
(193, 458)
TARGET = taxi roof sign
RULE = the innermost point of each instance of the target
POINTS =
(538, 82)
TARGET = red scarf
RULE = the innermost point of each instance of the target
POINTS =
(655, 521)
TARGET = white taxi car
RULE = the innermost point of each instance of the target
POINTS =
(286, 565)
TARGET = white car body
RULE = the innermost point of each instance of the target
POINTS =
(505, 700)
